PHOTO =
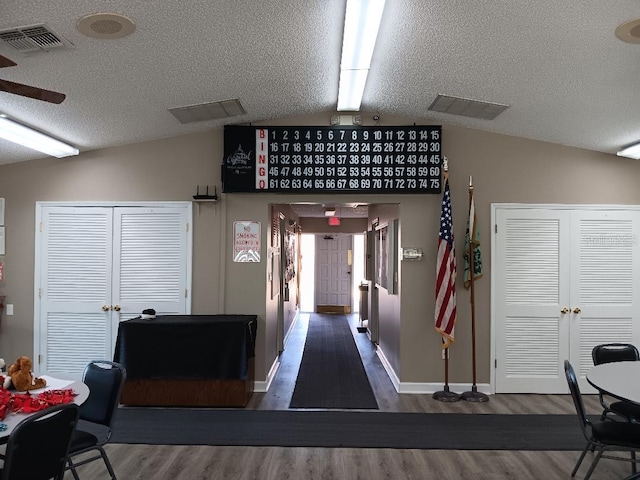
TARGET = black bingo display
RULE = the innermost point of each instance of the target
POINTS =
(332, 159)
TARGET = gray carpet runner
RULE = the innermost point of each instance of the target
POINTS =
(331, 374)
(357, 429)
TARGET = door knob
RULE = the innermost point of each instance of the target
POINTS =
(565, 310)
(577, 310)
(117, 308)
(106, 308)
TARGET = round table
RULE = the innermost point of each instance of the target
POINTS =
(12, 419)
(620, 380)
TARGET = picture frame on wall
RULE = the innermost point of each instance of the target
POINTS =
(386, 264)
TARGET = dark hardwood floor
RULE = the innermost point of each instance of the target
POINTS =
(277, 463)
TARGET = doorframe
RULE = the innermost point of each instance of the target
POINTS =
(531, 206)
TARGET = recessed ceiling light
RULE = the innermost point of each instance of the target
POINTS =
(629, 31)
(105, 25)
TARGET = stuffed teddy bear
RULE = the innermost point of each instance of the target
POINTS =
(21, 376)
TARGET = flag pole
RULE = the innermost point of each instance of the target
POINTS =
(473, 395)
(446, 395)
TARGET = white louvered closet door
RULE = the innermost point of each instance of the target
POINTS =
(604, 295)
(74, 285)
(99, 266)
(532, 286)
(149, 262)
(565, 281)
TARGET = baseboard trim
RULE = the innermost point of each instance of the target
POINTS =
(263, 387)
(425, 388)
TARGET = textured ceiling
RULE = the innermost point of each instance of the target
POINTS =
(558, 65)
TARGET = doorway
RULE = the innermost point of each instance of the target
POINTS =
(309, 267)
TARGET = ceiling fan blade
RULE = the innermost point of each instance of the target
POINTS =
(6, 62)
(31, 92)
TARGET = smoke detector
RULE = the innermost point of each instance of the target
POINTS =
(105, 26)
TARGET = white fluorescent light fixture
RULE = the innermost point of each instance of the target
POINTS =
(361, 24)
(632, 151)
(18, 133)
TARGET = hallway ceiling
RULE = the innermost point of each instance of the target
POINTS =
(343, 210)
(565, 76)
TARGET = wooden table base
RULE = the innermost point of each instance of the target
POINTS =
(188, 393)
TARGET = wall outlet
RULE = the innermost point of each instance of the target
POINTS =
(9, 309)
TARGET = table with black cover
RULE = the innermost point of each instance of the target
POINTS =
(187, 360)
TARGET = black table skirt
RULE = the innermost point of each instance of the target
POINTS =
(181, 347)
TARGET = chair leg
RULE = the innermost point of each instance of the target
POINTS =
(72, 467)
(107, 463)
(584, 452)
(633, 462)
(593, 464)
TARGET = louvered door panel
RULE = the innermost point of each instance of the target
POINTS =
(531, 279)
(606, 270)
(74, 287)
(150, 260)
(70, 353)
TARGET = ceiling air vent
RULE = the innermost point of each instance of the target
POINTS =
(467, 107)
(34, 38)
(208, 111)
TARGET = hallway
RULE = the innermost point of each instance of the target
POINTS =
(281, 389)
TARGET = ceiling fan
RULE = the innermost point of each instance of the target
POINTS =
(27, 90)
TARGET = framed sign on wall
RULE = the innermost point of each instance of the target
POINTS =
(387, 256)
(246, 241)
(332, 159)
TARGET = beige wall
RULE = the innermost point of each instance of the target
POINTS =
(504, 169)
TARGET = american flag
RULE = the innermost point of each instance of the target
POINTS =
(445, 314)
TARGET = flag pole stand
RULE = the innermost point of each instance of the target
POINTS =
(446, 395)
(473, 395)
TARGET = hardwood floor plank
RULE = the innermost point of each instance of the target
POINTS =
(281, 463)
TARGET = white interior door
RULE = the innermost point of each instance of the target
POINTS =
(604, 287)
(531, 282)
(333, 272)
(100, 265)
(73, 289)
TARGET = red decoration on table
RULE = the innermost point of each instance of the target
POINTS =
(29, 403)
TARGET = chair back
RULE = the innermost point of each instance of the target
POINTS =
(614, 352)
(105, 380)
(38, 446)
(574, 388)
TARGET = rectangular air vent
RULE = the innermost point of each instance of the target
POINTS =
(208, 111)
(34, 38)
(467, 107)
